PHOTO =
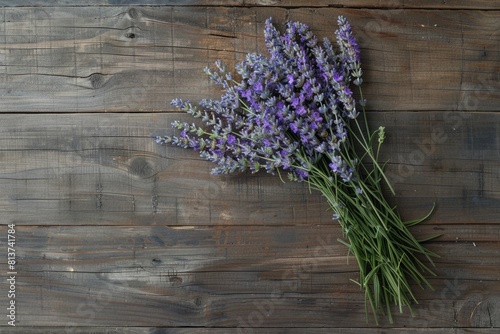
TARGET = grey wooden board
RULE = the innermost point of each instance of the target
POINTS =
(384, 4)
(106, 169)
(130, 59)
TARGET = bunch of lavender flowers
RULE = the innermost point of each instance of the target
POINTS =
(294, 111)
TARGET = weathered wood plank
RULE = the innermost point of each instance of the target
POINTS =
(163, 330)
(271, 277)
(105, 169)
(264, 330)
(384, 4)
(60, 59)
(240, 248)
(216, 249)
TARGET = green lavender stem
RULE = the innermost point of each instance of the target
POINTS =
(385, 250)
(387, 253)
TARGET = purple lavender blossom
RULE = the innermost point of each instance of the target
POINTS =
(289, 110)
(349, 50)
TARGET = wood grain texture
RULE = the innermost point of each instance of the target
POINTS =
(105, 169)
(116, 234)
(167, 277)
(384, 4)
(267, 330)
(113, 229)
(102, 59)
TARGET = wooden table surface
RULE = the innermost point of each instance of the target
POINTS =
(116, 234)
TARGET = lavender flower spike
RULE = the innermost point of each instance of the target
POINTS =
(349, 49)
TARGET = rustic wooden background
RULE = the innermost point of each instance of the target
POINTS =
(116, 234)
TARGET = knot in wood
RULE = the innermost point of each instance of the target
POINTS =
(130, 35)
(133, 13)
(96, 80)
(142, 167)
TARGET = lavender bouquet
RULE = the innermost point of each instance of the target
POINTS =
(294, 112)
